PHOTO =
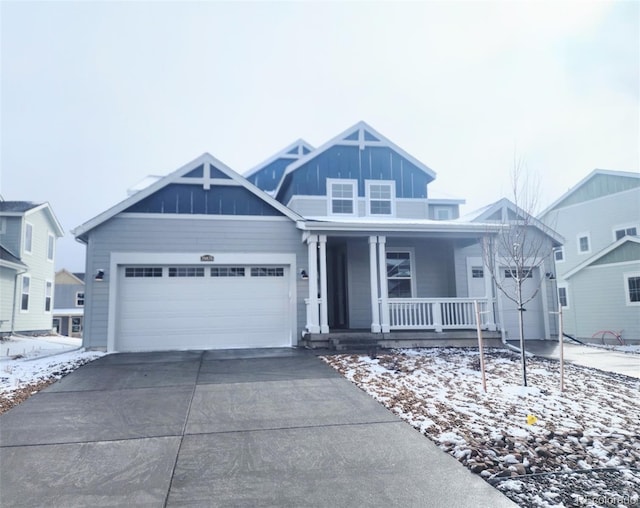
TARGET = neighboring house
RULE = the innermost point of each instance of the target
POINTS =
(28, 234)
(344, 237)
(68, 310)
(598, 268)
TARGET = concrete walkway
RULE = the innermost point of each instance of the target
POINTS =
(627, 364)
(225, 428)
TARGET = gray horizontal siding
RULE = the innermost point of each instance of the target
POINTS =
(127, 234)
(597, 302)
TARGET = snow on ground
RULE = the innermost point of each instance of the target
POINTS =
(28, 365)
(582, 450)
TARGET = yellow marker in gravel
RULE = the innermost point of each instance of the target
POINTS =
(531, 419)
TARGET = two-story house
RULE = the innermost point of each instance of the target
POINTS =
(344, 237)
(598, 267)
(68, 310)
(28, 234)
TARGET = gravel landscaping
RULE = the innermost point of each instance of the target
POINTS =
(541, 447)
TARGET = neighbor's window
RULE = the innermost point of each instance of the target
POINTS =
(47, 296)
(80, 299)
(632, 288)
(584, 244)
(76, 324)
(627, 231)
(342, 194)
(51, 245)
(380, 197)
(399, 274)
(28, 237)
(558, 254)
(24, 302)
(442, 213)
(563, 296)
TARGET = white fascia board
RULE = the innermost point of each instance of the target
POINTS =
(339, 140)
(18, 267)
(600, 254)
(173, 177)
(282, 154)
(391, 227)
(446, 201)
(75, 311)
(607, 172)
(47, 207)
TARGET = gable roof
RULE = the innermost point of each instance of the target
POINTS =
(24, 208)
(504, 210)
(217, 167)
(604, 252)
(16, 207)
(66, 277)
(268, 174)
(10, 260)
(588, 188)
(361, 134)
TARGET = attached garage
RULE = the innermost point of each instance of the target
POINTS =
(203, 307)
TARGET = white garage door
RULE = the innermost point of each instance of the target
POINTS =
(533, 315)
(197, 307)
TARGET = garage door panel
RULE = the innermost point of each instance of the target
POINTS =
(203, 312)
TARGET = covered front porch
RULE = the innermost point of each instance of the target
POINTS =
(398, 284)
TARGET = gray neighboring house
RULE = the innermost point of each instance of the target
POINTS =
(28, 234)
(310, 244)
(598, 268)
(68, 310)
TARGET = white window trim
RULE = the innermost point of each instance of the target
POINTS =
(354, 184)
(51, 238)
(412, 257)
(24, 238)
(582, 235)
(22, 293)
(83, 297)
(625, 227)
(46, 285)
(564, 254)
(390, 183)
(626, 277)
(564, 286)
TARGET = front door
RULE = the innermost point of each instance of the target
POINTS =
(337, 302)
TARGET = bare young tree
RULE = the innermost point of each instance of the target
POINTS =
(514, 255)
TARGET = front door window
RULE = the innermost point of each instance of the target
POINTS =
(399, 274)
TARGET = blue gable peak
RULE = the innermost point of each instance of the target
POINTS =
(267, 175)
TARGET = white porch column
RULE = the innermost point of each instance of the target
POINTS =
(312, 303)
(324, 320)
(384, 291)
(373, 277)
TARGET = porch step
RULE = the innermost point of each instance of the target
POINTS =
(355, 342)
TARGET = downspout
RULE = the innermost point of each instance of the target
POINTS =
(15, 300)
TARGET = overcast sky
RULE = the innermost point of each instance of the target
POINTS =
(95, 96)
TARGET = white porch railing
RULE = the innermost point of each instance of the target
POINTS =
(437, 313)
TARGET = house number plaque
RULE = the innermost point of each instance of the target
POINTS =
(206, 257)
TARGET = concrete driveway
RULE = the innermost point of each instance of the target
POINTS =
(221, 428)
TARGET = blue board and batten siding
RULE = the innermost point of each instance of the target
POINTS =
(183, 234)
(268, 178)
(351, 162)
(195, 199)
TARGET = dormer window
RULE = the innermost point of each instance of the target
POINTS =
(380, 197)
(342, 196)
